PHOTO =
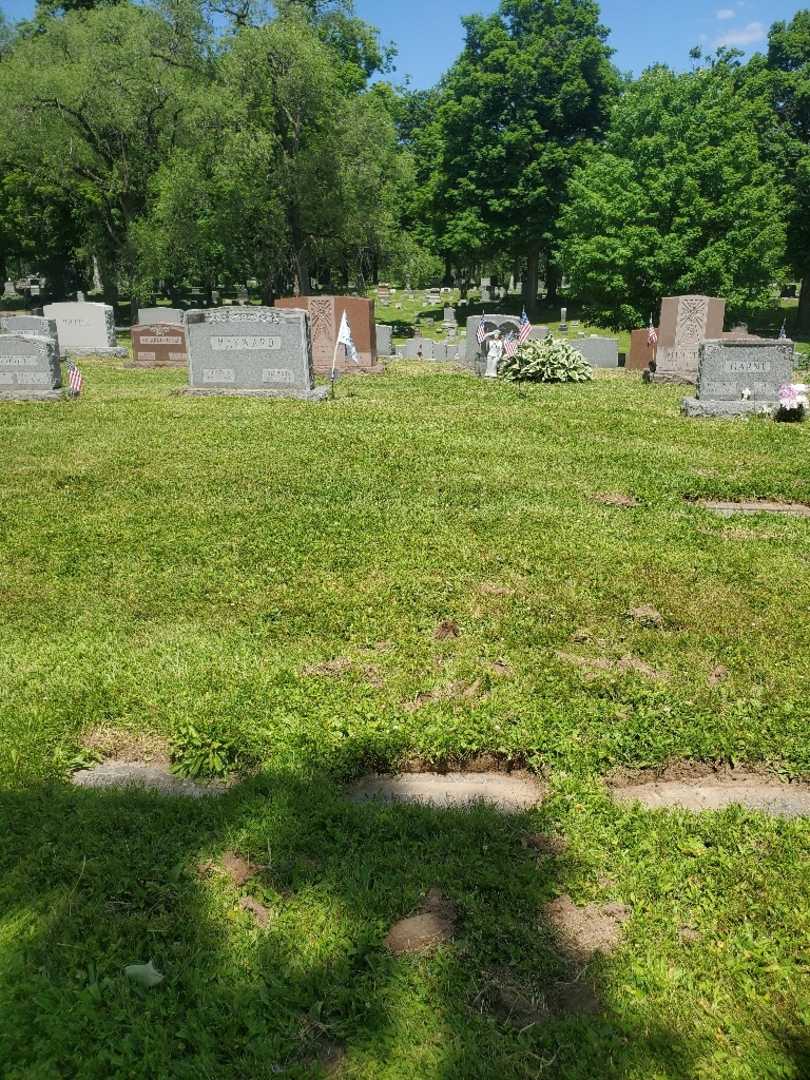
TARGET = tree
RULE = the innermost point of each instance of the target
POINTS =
(789, 64)
(679, 199)
(109, 103)
(518, 110)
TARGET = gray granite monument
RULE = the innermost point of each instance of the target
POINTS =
(474, 354)
(251, 352)
(600, 352)
(31, 325)
(153, 315)
(29, 368)
(740, 376)
(84, 329)
(385, 335)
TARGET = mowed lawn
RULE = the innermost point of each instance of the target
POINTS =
(274, 573)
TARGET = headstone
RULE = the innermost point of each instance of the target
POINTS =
(686, 322)
(29, 368)
(84, 329)
(449, 316)
(439, 351)
(563, 320)
(251, 352)
(486, 287)
(325, 313)
(419, 348)
(452, 352)
(158, 345)
(740, 376)
(385, 335)
(9, 290)
(598, 351)
(30, 325)
(641, 351)
(158, 314)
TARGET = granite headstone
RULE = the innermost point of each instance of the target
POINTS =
(85, 329)
(158, 345)
(251, 351)
(31, 325)
(686, 322)
(641, 351)
(325, 313)
(740, 376)
(152, 315)
(29, 368)
(600, 352)
(385, 336)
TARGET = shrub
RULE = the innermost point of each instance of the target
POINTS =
(549, 360)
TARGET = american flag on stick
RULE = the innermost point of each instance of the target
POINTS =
(75, 379)
(511, 346)
(525, 327)
(481, 332)
(652, 334)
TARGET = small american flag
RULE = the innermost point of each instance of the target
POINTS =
(652, 334)
(75, 379)
(480, 333)
(525, 327)
(783, 331)
(511, 346)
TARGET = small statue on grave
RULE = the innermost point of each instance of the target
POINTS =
(494, 354)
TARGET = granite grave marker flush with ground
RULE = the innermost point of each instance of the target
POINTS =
(29, 368)
(740, 376)
(251, 352)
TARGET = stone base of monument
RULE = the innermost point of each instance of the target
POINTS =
(693, 406)
(319, 393)
(669, 378)
(116, 352)
(156, 364)
(34, 395)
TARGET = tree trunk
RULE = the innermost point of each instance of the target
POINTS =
(803, 318)
(552, 282)
(268, 290)
(530, 284)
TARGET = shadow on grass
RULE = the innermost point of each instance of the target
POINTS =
(91, 881)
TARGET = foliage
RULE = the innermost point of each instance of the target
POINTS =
(517, 112)
(203, 752)
(548, 360)
(680, 199)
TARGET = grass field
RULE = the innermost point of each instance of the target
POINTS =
(274, 572)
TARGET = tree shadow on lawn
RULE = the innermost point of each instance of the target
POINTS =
(91, 881)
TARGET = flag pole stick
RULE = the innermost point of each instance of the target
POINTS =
(334, 365)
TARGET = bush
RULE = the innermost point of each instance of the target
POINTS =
(549, 360)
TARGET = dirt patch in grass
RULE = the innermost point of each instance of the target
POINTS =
(433, 925)
(646, 615)
(545, 844)
(454, 691)
(339, 665)
(616, 498)
(478, 763)
(492, 588)
(447, 629)
(584, 931)
(510, 1002)
(239, 870)
(592, 665)
(695, 789)
(258, 911)
(120, 744)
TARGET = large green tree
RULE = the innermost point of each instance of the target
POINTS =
(679, 199)
(789, 64)
(518, 110)
(108, 105)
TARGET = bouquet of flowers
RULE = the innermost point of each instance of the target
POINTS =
(793, 402)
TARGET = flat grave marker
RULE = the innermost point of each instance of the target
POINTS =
(29, 368)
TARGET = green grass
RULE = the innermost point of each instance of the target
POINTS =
(167, 560)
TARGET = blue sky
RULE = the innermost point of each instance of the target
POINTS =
(428, 32)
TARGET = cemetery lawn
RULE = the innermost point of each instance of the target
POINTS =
(275, 574)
